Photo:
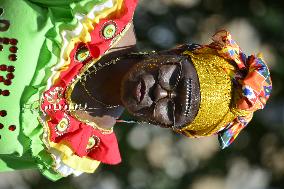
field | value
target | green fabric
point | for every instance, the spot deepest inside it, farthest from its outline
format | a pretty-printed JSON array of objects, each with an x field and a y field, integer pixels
[
  {"x": 37, "y": 25},
  {"x": 25, "y": 29},
  {"x": 9, "y": 163},
  {"x": 49, "y": 3}
]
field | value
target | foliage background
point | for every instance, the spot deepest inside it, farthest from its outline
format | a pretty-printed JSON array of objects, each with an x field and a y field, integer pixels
[{"x": 155, "y": 158}]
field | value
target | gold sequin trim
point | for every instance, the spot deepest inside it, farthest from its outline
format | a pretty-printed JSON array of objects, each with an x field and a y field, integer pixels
[{"x": 218, "y": 97}]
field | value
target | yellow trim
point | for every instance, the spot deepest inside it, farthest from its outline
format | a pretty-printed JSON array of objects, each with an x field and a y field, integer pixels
[{"x": 83, "y": 164}]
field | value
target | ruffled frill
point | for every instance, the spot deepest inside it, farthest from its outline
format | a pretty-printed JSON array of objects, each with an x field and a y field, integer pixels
[
  {"x": 61, "y": 144},
  {"x": 61, "y": 19}
]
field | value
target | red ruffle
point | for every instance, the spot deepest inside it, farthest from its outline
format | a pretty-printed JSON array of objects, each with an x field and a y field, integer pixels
[
  {"x": 77, "y": 137},
  {"x": 54, "y": 106}
]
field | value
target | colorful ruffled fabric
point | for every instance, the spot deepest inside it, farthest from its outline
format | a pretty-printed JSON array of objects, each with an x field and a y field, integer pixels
[
  {"x": 58, "y": 45},
  {"x": 253, "y": 78},
  {"x": 80, "y": 51},
  {"x": 251, "y": 81}
]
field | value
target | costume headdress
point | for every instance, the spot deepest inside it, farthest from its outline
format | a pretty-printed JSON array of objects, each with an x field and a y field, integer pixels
[{"x": 232, "y": 88}]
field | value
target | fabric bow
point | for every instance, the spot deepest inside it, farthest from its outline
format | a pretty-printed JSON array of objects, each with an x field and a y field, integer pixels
[{"x": 256, "y": 84}]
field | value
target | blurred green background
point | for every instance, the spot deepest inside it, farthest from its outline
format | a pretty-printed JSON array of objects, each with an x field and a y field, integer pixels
[{"x": 155, "y": 158}]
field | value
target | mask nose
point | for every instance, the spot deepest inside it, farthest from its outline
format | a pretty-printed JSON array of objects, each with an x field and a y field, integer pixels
[{"x": 160, "y": 93}]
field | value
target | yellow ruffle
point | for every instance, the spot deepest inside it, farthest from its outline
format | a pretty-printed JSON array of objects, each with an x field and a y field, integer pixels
[{"x": 83, "y": 164}]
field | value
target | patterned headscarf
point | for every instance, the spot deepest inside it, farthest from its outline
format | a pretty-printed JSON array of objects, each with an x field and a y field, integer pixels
[{"x": 247, "y": 91}]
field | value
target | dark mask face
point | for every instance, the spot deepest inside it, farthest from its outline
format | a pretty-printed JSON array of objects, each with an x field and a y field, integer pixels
[{"x": 162, "y": 89}]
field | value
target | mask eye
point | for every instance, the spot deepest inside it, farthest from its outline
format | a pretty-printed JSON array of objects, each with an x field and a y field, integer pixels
[
  {"x": 164, "y": 112},
  {"x": 169, "y": 76}
]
